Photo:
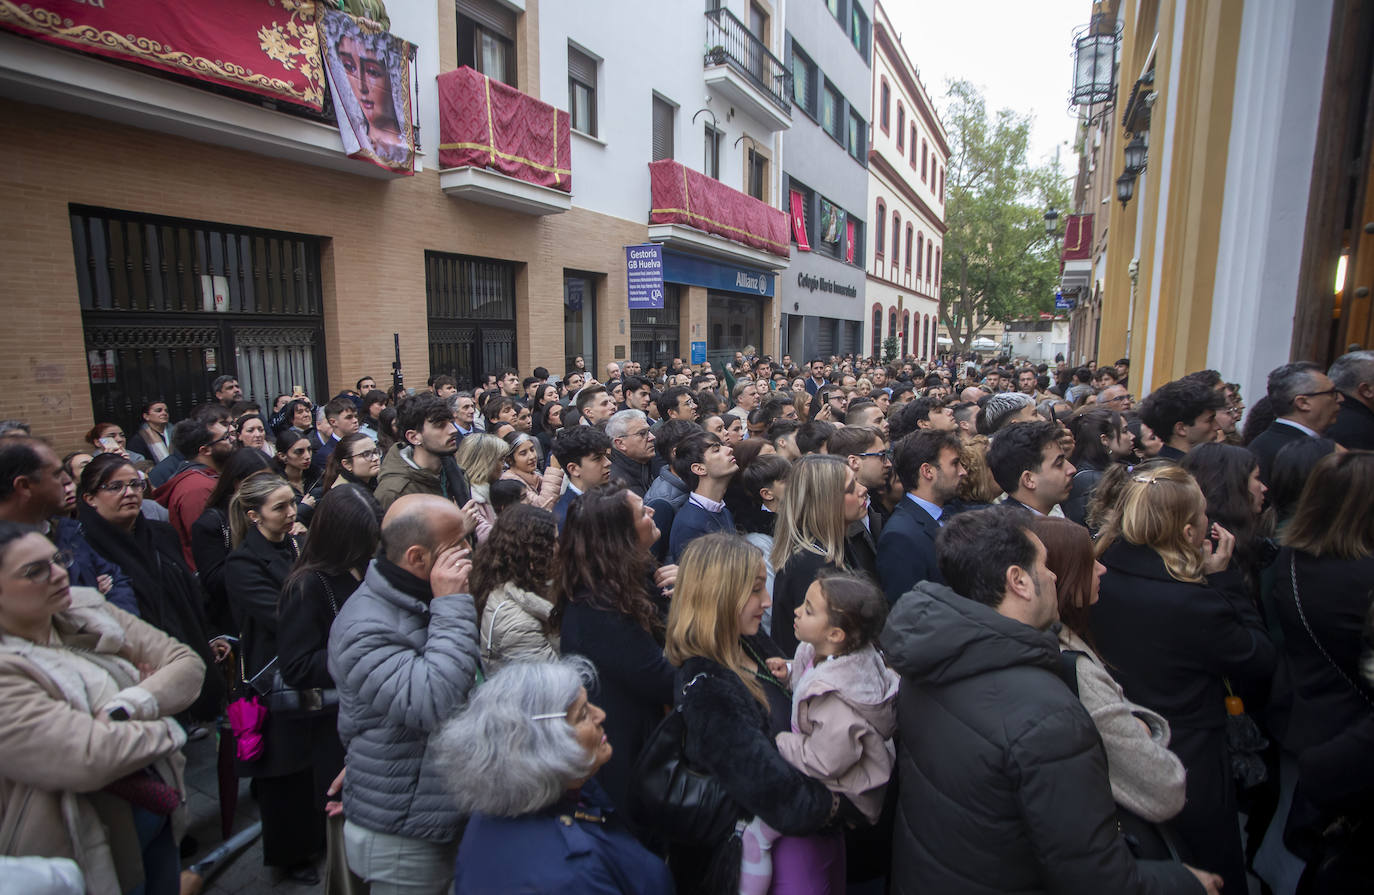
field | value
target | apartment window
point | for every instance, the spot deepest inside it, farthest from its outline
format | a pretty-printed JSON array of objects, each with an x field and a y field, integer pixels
[
  {"x": 582, "y": 91},
  {"x": 858, "y": 136},
  {"x": 831, "y": 104},
  {"x": 856, "y": 226},
  {"x": 896, "y": 237},
  {"x": 920, "y": 244},
  {"x": 834, "y": 227},
  {"x": 884, "y": 100},
  {"x": 930, "y": 258},
  {"x": 924, "y": 154},
  {"x": 901, "y": 126},
  {"x": 892, "y": 323},
  {"x": 942, "y": 184},
  {"x": 875, "y": 347},
  {"x": 486, "y": 39},
  {"x": 834, "y": 7},
  {"x": 908, "y": 248},
  {"x": 757, "y": 174},
  {"x": 913, "y": 146},
  {"x": 880, "y": 237},
  {"x": 858, "y": 29},
  {"x": 712, "y": 158},
  {"x": 937, "y": 268},
  {"x": 803, "y": 81},
  {"x": 663, "y": 129}
]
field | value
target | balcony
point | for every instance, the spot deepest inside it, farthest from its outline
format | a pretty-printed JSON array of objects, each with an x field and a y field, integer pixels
[
  {"x": 744, "y": 71},
  {"x": 702, "y": 216},
  {"x": 44, "y": 75},
  {"x": 501, "y": 147},
  {"x": 1076, "y": 260}
]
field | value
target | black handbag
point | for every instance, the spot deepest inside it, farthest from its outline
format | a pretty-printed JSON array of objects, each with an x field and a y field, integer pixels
[
  {"x": 673, "y": 800},
  {"x": 289, "y": 702}
]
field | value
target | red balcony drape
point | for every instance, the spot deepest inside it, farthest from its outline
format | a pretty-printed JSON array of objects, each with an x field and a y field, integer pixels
[
  {"x": 680, "y": 195},
  {"x": 488, "y": 124}
]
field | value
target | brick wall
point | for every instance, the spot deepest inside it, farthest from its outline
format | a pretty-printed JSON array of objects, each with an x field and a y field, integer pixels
[{"x": 372, "y": 268}]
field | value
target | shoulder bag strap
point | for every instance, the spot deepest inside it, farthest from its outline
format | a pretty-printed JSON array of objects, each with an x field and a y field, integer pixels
[
  {"x": 1297, "y": 601},
  {"x": 329, "y": 592}
]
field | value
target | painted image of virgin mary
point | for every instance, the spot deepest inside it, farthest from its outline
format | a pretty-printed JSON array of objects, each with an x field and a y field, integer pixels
[{"x": 368, "y": 71}]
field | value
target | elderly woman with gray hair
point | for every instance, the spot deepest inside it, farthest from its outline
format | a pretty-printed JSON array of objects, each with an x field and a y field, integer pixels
[{"x": 521, "y": 758}]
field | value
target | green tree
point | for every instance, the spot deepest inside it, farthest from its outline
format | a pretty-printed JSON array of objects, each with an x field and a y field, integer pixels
[{"x": 998, "y": 262}]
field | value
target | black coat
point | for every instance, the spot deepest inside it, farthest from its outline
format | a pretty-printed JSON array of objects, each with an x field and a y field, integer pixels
[
  {"x": 906, "y": 550},
  {"x": 790, "y": 584},
  {"x": 1002, "y": 778},
  {"x": 637, "y": 476},
  {"x": 1170, "y": 643},
  {"x": 304, "y": 617},
  {"x": 634, "y": 683},
  {"x": 732, "y": 737},
  {"x": 254, "y": 575},
  {"x": 169, "y": 597},
  {"x": 1354, "y": 427},
  {"x": 1084, "y": 484},
  {"x": 211, "y": 546},
  {"x": 1320, "y": 703},
  {"x": 1268, "y": 443}
]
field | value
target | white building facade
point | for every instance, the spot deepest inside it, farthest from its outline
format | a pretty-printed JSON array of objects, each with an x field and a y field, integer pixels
[{"x": 906, "y": 203}]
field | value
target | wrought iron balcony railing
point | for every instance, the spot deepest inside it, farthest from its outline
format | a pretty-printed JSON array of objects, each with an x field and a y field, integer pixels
[{"x": 730, "y": 42}]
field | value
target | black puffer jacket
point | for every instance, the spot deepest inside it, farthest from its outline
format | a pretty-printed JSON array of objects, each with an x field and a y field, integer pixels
[{"x": 1003, "y": 781}]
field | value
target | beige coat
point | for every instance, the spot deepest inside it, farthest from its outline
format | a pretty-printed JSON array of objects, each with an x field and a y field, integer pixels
[
  {"x": 844, "y": 711},
  {"x": 513, "y": 628},
  {"x": 56, "y": 755}
]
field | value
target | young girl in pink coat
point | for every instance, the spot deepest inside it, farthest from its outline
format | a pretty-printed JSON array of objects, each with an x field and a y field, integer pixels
[{"x": 843, "y": 709}]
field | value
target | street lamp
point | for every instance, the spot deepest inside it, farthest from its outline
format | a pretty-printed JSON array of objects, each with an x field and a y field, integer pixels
[
  {"x": 1051, "y": 222},
  {"x": 1136, "y": 153},
  {"x": 1125, "y": 187},
  {"x": 1094, "y": 63}
]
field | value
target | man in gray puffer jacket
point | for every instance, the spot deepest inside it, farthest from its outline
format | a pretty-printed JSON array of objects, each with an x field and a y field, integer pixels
[{"x": 403, "y": 652}]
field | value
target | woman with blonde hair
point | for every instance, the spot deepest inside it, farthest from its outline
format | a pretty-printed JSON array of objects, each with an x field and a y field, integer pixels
[
  {"x": 733, "y": 710},
  {"x": 262, "y": 514},
  {"x": 823, "y": 498},
  {"x": 1175, "y": 626},
  {"x": 977, "y": 490},
  {"x": 483, "y": 457}
]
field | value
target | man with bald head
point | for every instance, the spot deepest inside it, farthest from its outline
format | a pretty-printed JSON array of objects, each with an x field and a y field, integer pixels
[
  {"x": 972, "y": 394},
  {"x": 403, "y": 652}
]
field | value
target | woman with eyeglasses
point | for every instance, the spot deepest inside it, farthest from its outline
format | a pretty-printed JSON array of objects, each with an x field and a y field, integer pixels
[
  {"x": 90, "y": 759},
  {"x": 109, "y": 503},
  {"x": 356, "y": 460},
  {"x": 294, "y": 454}
]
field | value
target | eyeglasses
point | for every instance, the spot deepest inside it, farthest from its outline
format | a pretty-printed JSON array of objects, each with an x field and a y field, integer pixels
[
  {"x": 42, "y": 569},
  {"x": 227, "y": 436},
  {"x": 886, "y": 455},
  {"x": 642, "y": 433},
  {"x": 368, "y": 455},
  {"x": 121, "y": 487},
  {"x": 1329, "y": 391}
]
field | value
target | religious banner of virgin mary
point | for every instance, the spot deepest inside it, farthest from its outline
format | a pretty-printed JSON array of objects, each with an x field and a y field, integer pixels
[{"x": 369, "y": 73}]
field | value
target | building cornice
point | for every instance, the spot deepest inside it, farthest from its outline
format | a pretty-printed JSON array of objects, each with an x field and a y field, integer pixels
[{"x": 876, "y": 162}]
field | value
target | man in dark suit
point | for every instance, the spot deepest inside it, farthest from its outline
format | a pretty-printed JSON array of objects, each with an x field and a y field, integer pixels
[
  {"x": 1305, "y": 402},
  {"x": 927, "y": 464},
  {"x": 1183, "y": 413},
  {"x": 1353, "y": 374},
  {"x": 584, "y": 452}
]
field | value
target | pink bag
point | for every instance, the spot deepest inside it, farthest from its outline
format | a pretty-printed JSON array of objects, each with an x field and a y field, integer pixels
[{"x": 246, "y": 717}]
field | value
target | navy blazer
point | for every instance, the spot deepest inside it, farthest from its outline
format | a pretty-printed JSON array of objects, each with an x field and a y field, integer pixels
[
  {"x": 560, "y": 509},
  {"x": 1268, "y": 443},
  {"x": 906, "y": 550}
]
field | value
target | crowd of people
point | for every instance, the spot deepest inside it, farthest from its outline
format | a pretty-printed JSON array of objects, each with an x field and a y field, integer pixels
[{"x": 960, "y": 626}]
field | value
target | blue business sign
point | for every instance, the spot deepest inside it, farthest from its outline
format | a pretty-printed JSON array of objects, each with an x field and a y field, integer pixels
[
  {"x": 694, "y": 271},
  {"x": 1061, "y": 303},
  {"x": 644, "y": 273},
  {"x": 698, "y": 353}
]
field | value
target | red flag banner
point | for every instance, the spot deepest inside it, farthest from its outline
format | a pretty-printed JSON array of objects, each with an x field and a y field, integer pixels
[
  {"x": 680, "y": 195},
  {"x": 369, "y": 81},
  {"x": 488, "y": 124},
  {"x": 1078, "y": 238},
  {"x": 268, "y": 47},
  {"x": 799, "y": 221},
  {"x": 849, "y": 240}
]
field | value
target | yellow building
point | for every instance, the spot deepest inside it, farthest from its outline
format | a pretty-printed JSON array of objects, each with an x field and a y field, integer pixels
[{"x": 1249, "y": 129}]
